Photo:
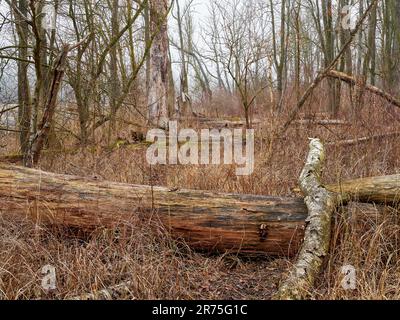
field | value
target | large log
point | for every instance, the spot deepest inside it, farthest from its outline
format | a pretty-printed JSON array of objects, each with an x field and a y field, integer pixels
[
  {"x": 206, "y": 220},
  {"x": 321, "y": 204}
]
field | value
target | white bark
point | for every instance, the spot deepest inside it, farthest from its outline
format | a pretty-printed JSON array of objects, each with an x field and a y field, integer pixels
[{"x": 321, "y": 204}]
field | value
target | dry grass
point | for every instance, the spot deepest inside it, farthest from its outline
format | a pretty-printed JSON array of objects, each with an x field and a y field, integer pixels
[
  {"x": 370, "y": 244},
  {"x": 162, "y": 268},
  {"x": 155, "y": 266}
]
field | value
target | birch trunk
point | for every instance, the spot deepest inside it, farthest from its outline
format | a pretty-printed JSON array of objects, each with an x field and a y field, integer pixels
[{"x": 321, "y": 204}]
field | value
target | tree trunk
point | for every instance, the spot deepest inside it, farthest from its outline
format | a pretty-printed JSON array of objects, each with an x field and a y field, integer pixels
[
  {"x": 147, "y": 39},
  {"x": 370, "y": 59},
  {"x": 378, "y": 190},
  {"x": 279, "y": 57},
  {"x": 320, "y": 203},
  {"x": 396, "y": 46},
  {"x": 385, "y": 189},
  {"x": 40, "y": 59},
  {"x": 329, "y": 55}
]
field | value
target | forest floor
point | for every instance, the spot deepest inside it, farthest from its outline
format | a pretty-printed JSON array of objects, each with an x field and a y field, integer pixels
[{"x": 162, "y": 268}]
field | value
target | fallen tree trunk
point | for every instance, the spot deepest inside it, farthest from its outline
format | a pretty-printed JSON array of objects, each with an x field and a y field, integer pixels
[
  {"x": 381, "y": 190},
  {"x": 374, "y": 138},
  {"x": 206, "y": 220},
  {"x": 321, "y": 204},
  {"x": 384, "y": 190},
  {"x": 112, "y": 293},
  {"x": 352, "y": 81},
  {"x": 322, "y": 122}
]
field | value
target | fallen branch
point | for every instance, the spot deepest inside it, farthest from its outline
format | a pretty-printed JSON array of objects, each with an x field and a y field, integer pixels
[
  {"x": 352, "y": 81},
  {"x": 17, "y": 158},
  {"x": 10, "y": 130},
  {"x": 10, "y": 107},
  {"x": 12, "y": 158},
  {"x": 378, "y": 190},
  {"x": 321, "y": 204},
  {"x": 111, "y": 293},
  {"x": 384, "y": 190},
  {"x": 352, "y": 142},
  {"x": 220, "y": 123}
]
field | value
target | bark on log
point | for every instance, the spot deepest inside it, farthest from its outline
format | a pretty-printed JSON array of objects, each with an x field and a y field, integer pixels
[
  {"x": 322, "y": 122},
  {"x": 321, "y": 204},
  {"x": 381, "y": 190},
  {"x": 384, "y": 190},
  {"x": 206, "y": 220},
  {"x": 352, "y": 81}
]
